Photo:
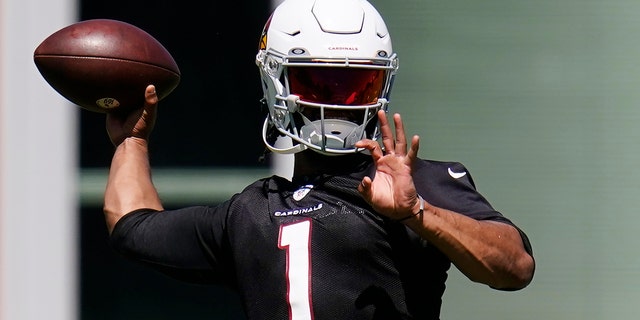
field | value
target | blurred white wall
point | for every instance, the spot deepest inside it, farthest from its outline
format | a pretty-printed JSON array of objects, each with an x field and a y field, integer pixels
[{"x": 38, "y": 171}]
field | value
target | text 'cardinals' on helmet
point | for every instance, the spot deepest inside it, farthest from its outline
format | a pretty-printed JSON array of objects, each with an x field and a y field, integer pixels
[{"x": 327, "y": 67}]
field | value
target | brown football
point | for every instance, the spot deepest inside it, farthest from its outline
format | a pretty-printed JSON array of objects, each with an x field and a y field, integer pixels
[{"x": 104, "y": 65}]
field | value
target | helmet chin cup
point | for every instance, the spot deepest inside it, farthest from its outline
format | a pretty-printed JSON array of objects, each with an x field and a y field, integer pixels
[{"x": 332, "y": 133}]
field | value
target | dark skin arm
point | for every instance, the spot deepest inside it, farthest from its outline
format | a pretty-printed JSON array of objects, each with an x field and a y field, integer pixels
[
  {"x": 129, "y": 185},
  {"x": 487, "y": 252}
]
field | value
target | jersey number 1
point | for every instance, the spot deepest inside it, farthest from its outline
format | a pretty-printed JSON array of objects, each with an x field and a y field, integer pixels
[{"x": 296, "y": 240}]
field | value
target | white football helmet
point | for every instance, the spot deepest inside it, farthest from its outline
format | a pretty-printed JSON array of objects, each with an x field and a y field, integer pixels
[{"x": 327, "y": 67}]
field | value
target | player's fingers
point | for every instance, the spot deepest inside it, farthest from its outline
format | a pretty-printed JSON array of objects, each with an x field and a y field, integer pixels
[
  {"x": 386, "y": 132},
  {"x": 413, "y": 150},
  {"x": 150, "y": 95},
  {"x": 372, "y": 146},
  {"x": 364, "y": 188},
  {"x": 401, "y": 139}
]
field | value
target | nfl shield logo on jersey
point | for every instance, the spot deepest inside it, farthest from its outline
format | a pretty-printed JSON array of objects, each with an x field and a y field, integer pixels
[{"x": 302, "y": 192}]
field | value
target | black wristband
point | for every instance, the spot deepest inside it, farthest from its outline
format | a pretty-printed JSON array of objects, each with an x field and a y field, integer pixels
[{"x": 414, "y": 214}]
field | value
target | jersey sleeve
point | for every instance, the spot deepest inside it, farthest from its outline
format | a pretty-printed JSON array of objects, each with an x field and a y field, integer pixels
[
  {"x": 449, "y": 185},
  {"x": 187, "y": 244}
]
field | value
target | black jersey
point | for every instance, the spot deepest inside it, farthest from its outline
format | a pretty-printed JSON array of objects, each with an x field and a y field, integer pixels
[{"x": 311, "y": 249}]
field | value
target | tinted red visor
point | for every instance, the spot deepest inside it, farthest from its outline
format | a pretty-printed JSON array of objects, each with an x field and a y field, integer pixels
[{"x": 337, "y": 85}]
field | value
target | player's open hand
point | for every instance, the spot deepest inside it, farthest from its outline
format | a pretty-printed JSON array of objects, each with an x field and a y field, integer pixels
[
  {"x": 391, "y": 192},
  {"x": 137, "y": 123}
]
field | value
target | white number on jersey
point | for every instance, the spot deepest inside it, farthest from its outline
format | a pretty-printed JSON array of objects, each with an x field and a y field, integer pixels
[{"x": 296, "y": 240}]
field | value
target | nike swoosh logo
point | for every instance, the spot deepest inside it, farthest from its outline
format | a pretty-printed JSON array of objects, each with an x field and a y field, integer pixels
[{"x": 456, "y": 175}]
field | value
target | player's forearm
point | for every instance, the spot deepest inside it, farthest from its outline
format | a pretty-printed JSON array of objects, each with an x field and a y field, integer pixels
[
  {"x": 129, "y": 185},
  {"x": 487, "y": 252}
]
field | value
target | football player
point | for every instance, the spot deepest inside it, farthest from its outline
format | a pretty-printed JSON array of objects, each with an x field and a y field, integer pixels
[{"x": 364, "y": 229}]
